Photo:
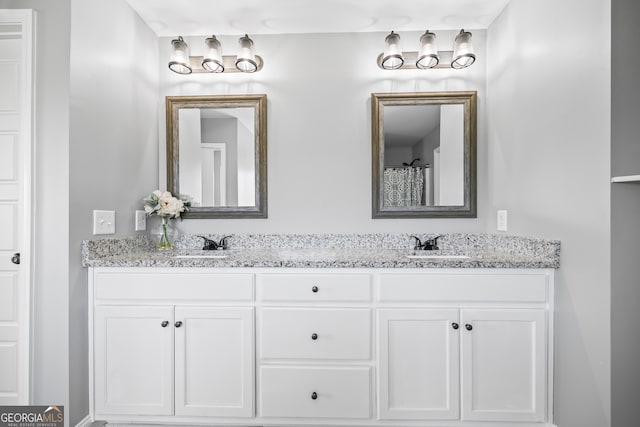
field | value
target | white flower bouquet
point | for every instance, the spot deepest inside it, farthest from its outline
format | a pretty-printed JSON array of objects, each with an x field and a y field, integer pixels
[
  {"x": 166, "y": 206},
  {"x": 162, "y": 203}
]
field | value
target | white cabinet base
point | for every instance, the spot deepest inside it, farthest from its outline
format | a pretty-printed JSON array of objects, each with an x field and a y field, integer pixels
[{"x": 322, "y": 347}]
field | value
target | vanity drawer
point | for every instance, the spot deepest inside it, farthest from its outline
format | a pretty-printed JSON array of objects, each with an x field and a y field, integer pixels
[
  {"x": 315, "y": 392},
  {"x": 450, "y": 287},
  {"x": 314, "y": 287},
  {"x": 315, "y": 333},
  {"x": 159, "y": 286}
]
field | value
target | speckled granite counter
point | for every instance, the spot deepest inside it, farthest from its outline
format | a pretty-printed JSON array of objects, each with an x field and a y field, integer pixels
[{"x": 327, "y": 251}]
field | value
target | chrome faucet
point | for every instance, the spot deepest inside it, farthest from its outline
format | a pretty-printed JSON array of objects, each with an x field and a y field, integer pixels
[{"x": 428, "y": 245}]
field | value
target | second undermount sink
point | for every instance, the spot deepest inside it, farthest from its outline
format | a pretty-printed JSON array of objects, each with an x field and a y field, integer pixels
[{"x": 436, "y": 256}]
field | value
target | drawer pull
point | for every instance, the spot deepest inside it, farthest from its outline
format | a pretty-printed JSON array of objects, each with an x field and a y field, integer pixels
[
  {"x": 314, "y": 395},
  {"x": 468, "y": 326},
  {"x": 314, "y": 289},
  {"x": 314, "y": 336},
  {"x": 178, "y": 324},
  {"x": 164, "y": 323},
  {"x": 455, "y": 325}
]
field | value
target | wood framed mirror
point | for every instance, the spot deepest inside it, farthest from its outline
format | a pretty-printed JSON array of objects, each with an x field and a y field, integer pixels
[
  {"x": 217, "y": 154},
  {"x": 424, "y": 154}
]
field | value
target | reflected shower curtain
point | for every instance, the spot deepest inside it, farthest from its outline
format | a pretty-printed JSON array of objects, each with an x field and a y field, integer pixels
[{"x": 403, "y": 186}]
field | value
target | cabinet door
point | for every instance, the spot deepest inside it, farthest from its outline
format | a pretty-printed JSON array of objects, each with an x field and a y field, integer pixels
[
  {"x": 418, "y": 358},
  {"x": 214, "y": 362},
  {"x": 133, "y": 360},
  {"x": 503, "y": 365}
]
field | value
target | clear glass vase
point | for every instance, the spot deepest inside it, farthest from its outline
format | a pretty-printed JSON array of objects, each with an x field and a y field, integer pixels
[{"x": 164, "y": 236}]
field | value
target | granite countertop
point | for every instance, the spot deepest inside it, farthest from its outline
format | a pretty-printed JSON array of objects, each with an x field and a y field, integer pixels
[{"x": 328, "y": 251}]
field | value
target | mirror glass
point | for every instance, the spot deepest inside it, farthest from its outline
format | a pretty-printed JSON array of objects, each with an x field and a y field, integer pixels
[
  {"x": 424, "y": 154},
  {"x": 216, "y": 154}
]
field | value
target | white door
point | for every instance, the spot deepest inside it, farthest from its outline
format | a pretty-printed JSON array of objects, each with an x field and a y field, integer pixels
[
  {"x": 418, "y": 364},
  {"x": 15, "y": 203},
  {"x": 214, "y": 361},
  {"x": 503, "y": 365},
  {"x": 133, "y": 360}
]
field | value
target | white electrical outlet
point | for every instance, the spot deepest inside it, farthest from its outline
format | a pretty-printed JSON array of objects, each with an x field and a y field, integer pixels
[
  {"x": 140, "y": 221},
  {"x": 104, "y": 222},
  {"x": 502, "y": 220}
]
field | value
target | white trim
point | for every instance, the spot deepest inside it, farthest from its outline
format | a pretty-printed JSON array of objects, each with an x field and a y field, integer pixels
[
  {"x": 626, "y": 178},
  {"x": 221, "y": 148}
]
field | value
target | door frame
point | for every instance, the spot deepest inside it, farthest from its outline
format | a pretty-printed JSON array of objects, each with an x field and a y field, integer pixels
[{"x": 26, "y": 94}]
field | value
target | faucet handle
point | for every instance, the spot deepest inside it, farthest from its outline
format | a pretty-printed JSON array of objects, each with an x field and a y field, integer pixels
[
  {"x": 223, "y": 242},
  {"x": 418, "y": 244}
]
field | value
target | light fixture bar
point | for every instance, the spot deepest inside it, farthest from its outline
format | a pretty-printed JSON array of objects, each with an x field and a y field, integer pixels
[
  {"x": 212, "y": 62},
  {"x": 410, "y": 60},
  {"x": 229, "y": 62}
]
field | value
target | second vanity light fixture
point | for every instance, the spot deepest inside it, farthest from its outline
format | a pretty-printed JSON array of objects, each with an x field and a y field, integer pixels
[
  {"x": 246, "y": 61},
  {"x": 427, "y": 56}
]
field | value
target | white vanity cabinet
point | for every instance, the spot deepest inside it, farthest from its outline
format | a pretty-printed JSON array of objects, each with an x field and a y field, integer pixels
[
  {"x": 401, "y": 347},
  {"x": 172, "y": 344}
]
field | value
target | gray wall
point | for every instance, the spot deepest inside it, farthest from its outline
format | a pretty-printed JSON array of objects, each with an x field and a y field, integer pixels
[
  {"x": 50, "y": 350},
  {"x": 625, "y": 221},
  {"x": 319, "y": 122},
  {"x": 549, "y": 124},
  {"x": 112, "y": 147}
]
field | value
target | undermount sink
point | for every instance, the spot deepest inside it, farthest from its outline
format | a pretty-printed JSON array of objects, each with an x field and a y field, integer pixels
[
  {"x": 201, "y": 256},
  {"x": 436, "y": 256}
]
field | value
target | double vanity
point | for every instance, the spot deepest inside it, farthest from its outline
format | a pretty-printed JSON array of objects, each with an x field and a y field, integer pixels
[{"x": 323, "y": 330}]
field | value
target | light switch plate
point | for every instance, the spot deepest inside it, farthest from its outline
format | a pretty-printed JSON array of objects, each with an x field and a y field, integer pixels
[
  {"x": 104, "y": 222},
  {"x": 140, "y": 221},
  {"x": 501, "y": 220}
]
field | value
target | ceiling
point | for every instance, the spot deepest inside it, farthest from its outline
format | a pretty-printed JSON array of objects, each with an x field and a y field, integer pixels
[{"x": 200, "y": 17}]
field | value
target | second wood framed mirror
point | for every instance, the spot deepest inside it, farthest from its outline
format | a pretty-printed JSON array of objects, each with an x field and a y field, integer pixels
[{"x": 424, "y": 155}]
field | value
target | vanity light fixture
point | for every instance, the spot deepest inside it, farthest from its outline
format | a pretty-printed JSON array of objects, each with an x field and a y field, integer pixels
[
  {"x": 179, "y": 60},
  {"x": 427, "y": 56},
  {"x": 463, "y": 55},
  {"x": 392, "y": 59},
  {"x": 213, "y": 61},
  {"x": 428, "y": 53},
  {"x": 246, "y": 60}
]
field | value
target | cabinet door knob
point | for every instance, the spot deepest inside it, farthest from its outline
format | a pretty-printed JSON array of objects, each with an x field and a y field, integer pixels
[
  {"x": 164, "y": 323},
  {"x": 468, "y": 326},
  {"x": 178, "y": 324},
  {"x": 455, "y": 325},
  {"x": 314, "y": 289},
  {"x": 314, "y": 336},
  {"x": 314, "y": 395}
]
